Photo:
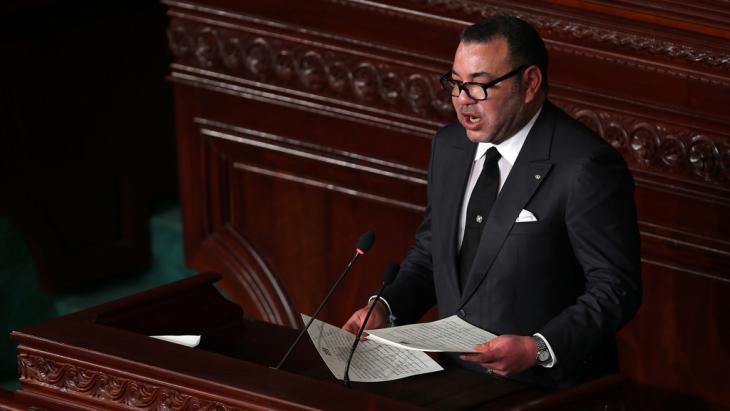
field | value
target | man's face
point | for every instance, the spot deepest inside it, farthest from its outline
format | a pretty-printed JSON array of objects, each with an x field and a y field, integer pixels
[{"x": 501, "y": 114}]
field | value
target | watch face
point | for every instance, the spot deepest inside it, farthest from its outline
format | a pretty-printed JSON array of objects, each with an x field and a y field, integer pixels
[{"x": 544, "y": 356}]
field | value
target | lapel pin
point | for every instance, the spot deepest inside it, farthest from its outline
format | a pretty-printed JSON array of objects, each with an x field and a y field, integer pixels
[
  {"x": 479, "y": 219},
  {"x": 538, "y": 176}
]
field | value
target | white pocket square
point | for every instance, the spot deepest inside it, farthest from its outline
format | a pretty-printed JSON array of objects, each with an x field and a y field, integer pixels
[{"x": 526, "y": 217}]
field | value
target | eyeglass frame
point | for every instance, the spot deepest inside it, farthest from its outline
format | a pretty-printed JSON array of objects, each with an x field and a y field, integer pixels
[{"x": 446, "y": 78}]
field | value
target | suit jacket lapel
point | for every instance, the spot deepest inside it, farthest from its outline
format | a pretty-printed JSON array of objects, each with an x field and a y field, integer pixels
[
  {"x": 456, "y": 177},
  {"x": 529, "y": 170}
]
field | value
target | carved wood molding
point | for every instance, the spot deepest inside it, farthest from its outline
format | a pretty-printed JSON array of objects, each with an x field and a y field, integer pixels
[
  {"x": 216, "y": 131},
  {"x": 273, "y": 63},
  {"x": 219, "y": 83},
  {"x": 654, "y": 146},
  {"x": 285, "y": 67},
  {"x": 570, "y": 30},
  {"x": 698, "y": 12},
  {"x": 649, "y": 145},
  {"x": 552, "y": 25},
  {"x": 682, "y": 74},
  {"x": 108, "y": 389},
  {"x": 324, "y": 185},
  {"x": 300, "y": 148},
  {"x": 247, "y": 269}
]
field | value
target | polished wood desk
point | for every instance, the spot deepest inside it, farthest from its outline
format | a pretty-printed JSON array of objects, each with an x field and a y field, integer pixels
[{"x": 101, "y": 358}]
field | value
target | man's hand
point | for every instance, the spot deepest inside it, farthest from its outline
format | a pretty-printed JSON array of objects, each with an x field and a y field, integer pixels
[
  {"x": 378, "y": 319},
  {"x": 505, "y": 355}
]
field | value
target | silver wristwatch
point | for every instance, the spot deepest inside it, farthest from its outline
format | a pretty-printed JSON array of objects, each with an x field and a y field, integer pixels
[{"x": 543, "y": 354}]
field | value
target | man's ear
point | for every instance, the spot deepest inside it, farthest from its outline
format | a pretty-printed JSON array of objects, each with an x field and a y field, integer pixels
[{"x": 532, "y": 79}]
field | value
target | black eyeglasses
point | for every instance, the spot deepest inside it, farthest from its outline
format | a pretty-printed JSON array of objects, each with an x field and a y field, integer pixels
[{"x": 477, "y": 91}]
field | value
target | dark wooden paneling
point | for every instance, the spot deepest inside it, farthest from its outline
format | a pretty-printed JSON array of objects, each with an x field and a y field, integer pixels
[
  {"x": 319, "y": 195},
  {"x": 302, "y": 124},
  {"x": 685, "y": 314}
]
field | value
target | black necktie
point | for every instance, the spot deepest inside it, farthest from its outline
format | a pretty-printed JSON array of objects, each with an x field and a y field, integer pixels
[{"x": 480, "y": 202}]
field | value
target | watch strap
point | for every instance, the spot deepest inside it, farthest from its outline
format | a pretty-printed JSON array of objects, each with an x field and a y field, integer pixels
[{"x": 543, "y": 354}]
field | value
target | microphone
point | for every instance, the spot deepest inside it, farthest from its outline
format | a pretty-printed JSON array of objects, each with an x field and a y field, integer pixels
[
  {"x": 363, "y": 246},
  {"x": 388, "y": 276}
]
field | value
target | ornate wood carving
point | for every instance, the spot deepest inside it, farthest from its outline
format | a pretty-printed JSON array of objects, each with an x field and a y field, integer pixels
[
  {"x": 648, "y": 144},
  {"x": 273, "y": 62},
  {"x": 108, "y": 388},
  {"x": 261, "y": 286},
  {"x": 678, "y": 72},
  {"x": 682, "y": 151},
  {"x": 553, "y": 26},
  {"x": 703, "y": 14}
]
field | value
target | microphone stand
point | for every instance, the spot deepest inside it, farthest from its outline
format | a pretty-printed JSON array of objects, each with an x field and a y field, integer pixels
[
  {"x": 364, "y": 245},
  {"x": 388, "y": 277}
]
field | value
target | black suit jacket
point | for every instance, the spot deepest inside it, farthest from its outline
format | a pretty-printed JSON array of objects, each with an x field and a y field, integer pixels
[{"x": 573, "y": 276}]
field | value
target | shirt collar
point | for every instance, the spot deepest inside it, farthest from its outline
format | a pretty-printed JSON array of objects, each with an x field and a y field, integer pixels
[{"x": 510, "y": 147}]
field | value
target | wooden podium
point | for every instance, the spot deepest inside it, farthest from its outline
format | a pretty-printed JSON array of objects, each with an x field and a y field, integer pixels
[{"x": 102, "y": 358}]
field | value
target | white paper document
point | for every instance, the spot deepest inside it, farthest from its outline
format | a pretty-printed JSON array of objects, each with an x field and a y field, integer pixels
[
  {"x": 450, "y": 334},
  {"x": 372, "y": 362},
  {"x": 186, "y": 340}
]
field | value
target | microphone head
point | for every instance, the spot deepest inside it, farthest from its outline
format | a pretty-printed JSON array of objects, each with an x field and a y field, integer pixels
[
  {"x": 390, "y": 272},
  {"x": 366, "y": 241}
]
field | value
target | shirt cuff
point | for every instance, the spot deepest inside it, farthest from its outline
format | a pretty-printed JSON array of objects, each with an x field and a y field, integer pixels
[
  {"x": 391, "y": 317},
  {"x": 553, "y": 358}
]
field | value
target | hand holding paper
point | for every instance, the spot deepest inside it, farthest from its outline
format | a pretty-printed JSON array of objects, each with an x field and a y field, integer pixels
[
  {"x": 450, "y": 334},
  {"x": 372, "y": 361},
  {"x": 505, "y": 355}
]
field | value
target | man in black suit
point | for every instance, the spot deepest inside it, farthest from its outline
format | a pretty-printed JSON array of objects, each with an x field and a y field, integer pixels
[{"x": 530, "y": 230}]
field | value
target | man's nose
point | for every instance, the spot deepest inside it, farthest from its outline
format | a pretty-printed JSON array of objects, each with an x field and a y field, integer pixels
[{"x": 465, "y": 98}]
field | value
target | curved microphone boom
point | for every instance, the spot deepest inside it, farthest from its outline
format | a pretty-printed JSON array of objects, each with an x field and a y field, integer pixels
[
  {"x": 363, "y": 246},
  {"x": 388, "y": 276}
]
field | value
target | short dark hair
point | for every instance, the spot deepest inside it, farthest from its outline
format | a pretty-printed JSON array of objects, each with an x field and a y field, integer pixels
[{"x": 525, "y": 44}]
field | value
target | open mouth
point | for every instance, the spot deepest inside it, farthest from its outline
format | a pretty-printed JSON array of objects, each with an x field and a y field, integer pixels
[{"x": 471, "y": 121}]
